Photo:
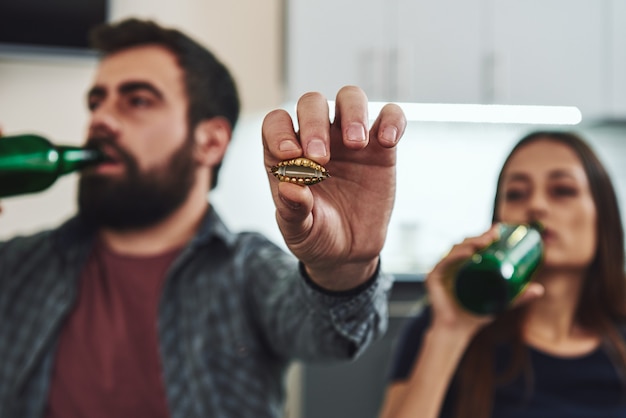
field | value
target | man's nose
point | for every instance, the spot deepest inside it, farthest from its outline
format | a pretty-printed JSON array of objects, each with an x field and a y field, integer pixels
[{"x": 104, "y": 120}]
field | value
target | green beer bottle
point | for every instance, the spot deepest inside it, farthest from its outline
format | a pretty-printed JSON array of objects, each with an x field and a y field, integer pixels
[
  {"x": 31, "y": 163},
  {"x": 493, "y": 277}
]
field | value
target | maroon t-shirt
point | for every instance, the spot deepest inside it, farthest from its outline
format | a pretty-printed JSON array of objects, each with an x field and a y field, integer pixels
[{"x": 108, "y": 362}]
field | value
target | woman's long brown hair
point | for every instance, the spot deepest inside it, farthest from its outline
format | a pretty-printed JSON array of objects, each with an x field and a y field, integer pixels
[{"x": 601, "y": 308}]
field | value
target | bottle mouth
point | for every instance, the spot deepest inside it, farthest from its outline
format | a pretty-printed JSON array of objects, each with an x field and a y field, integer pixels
[
  {"x": 79, "y": 158},
  {"x": 99, "y": 154},
  {"x": 537, "y": 225}
]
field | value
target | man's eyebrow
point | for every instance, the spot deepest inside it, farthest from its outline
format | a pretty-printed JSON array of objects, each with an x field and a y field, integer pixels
[
  {"x": 97, "y": 91},
  {"x": 133, "y": 86}
]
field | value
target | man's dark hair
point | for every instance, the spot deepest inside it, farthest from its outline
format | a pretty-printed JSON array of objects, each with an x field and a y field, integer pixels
[{"x": 211, "y": 90}]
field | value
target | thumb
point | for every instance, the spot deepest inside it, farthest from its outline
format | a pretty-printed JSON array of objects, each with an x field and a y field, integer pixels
[{"x": 293, "y": 211}]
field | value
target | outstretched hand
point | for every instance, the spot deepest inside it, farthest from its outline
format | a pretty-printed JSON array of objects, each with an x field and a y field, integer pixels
[{"x": 337, "y": 228}]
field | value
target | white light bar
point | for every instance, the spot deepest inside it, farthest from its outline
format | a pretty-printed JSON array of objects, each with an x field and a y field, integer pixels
[{"x": 477, "y": 113}]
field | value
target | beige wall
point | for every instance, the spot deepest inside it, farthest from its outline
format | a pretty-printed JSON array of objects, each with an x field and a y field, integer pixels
[
  {"x": 45, "y": 93},
  {"x": 245, "y": 34}
]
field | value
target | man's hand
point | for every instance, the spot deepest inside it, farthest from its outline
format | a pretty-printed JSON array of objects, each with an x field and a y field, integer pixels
[{"x": 337, "y": 228}]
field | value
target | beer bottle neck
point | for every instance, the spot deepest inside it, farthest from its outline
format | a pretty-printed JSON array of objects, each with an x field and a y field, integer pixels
[{"x": 75, "y": 158}]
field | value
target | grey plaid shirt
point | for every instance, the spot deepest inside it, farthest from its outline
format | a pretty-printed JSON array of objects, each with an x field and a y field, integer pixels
[{"x": 234, "y": 311}]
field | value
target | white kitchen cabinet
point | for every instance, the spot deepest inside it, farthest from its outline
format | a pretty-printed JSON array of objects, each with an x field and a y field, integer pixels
[
  {"x": 552, "y": 52},
  {"x": 402, "y": 50},
  {"x": 544, "y": 52},
  {"x": 328, "y": 42},
  {"x": 442, "y": 49},
  {"x": 618, "y": 59}
]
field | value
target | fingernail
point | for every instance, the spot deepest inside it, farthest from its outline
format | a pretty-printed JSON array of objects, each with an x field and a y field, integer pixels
[
  {"x": 316, "y": 149},
  {"x": 287, "y": 146},
  {"x": 355, "y": 132},
  {"x": 390, "y": 134}
]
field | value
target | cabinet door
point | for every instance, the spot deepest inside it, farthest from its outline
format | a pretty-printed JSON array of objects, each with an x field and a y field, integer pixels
[
  {"x": 541, "y": 52},
  {"x": 442, "y": 46},
  {"x": 552, "y": 52},
  {"x": 331, "y": 43},
  {"x": 400, "y": 50},
  {"x": 618, "y": 59}
]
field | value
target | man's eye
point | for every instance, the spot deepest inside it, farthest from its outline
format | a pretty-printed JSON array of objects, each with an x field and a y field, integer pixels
[
  {"x": 93, "y": 104},
  {"x": 139, "y": 101}
]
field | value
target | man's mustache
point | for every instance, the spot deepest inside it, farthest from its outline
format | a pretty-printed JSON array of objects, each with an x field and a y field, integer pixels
[{"x": 107, "y": 143}]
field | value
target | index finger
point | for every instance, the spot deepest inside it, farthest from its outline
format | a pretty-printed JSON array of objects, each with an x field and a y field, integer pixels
[{"x": 280, "y": 140}]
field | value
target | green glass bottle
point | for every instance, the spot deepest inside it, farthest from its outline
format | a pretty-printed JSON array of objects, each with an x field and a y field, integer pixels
[
  {"x": 493, "y": 277},
  {"x": 31, "y": 163}
]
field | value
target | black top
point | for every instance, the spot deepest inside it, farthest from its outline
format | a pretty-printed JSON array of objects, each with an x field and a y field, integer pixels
[{"x": 568, "y": 387}]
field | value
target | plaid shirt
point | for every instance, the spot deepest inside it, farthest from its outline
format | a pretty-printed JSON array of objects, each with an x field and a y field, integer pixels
[{"x": 235, "y": 311}]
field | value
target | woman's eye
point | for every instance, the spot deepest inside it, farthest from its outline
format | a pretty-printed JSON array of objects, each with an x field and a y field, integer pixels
[
  {"x": 563, "y": 191},
  {"x": 513, "y": 195}
]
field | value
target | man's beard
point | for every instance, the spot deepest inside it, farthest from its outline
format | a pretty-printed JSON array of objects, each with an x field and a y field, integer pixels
[{"x": 137, "y": 200}]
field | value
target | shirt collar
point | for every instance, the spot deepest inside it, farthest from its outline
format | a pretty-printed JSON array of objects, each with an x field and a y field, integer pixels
[{"x": 213, "y": 226}]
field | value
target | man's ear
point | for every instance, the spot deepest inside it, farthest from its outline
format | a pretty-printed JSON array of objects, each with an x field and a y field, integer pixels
[{"x": 211, "y": 138}]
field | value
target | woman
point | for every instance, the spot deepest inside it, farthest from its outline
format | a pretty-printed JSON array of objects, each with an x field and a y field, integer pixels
[{"x": 560, "y": 351}]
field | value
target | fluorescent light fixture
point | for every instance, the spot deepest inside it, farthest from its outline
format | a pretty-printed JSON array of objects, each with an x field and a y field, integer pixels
[{"x": 478, "y": 113}]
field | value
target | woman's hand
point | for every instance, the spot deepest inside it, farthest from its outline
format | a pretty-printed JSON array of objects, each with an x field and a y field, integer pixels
[{"x": 447, "y": 313}]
